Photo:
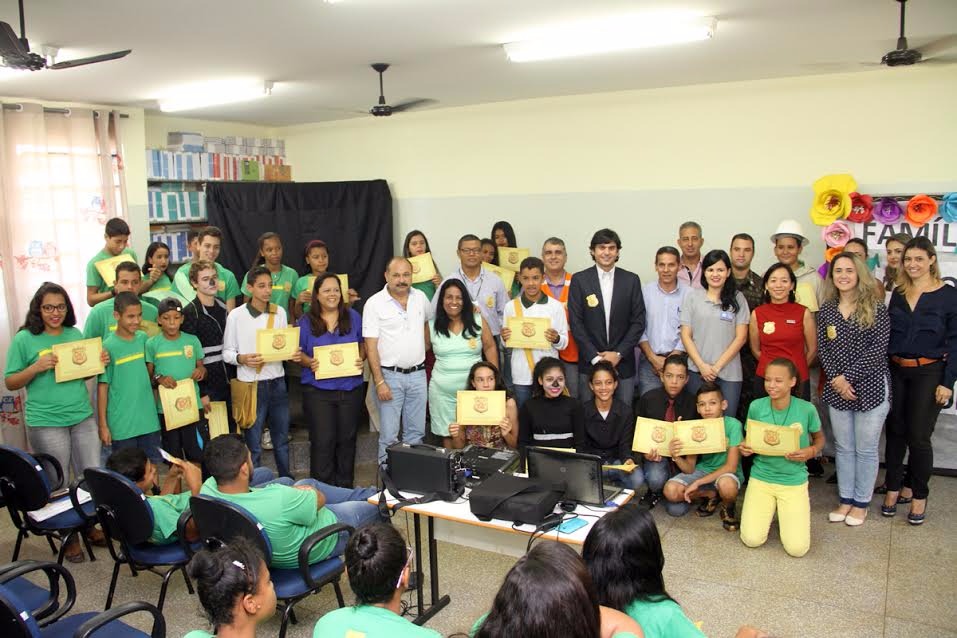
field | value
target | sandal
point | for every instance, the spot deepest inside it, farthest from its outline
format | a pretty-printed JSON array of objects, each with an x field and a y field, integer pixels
[
  {"x": 708, "y": 506},
  {"x": 96, "y": 537},
  {"x": 729, "y": 518},
  {"x": 74, "y": 552}
]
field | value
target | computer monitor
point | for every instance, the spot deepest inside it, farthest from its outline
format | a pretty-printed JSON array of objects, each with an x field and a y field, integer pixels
[{"x": 581, "y": 474}]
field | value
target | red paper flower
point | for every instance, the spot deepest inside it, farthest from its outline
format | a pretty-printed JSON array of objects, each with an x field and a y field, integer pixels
[{"x": 862, "y": 208}]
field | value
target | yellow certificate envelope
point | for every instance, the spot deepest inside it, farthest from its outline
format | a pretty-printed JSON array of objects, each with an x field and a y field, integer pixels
[
  {"x": 179, "y": 404},
  {"x": 773, "y": 440},
  {"x": 479, "y": 408},
  {"x": 423, "y": 268},
  {"x": 77, "y": 359},
  {"x": 511, "y": 258},
  {"x": 528, "y": 332},
  {"x": 652, "y": 434},
  {"x": 507, "y": 276},
  {"x": 344, "y": 285},
  {"x": 277, "y": 344},
  {"x": 701, "y": 436},
  {"x": 338, "y": 360},
  {"x": 627, "y": 469},
  {"x": 217, "y": 419},
  {"x": 151, "y": 328},
  {"x": 107, "y": 267}
]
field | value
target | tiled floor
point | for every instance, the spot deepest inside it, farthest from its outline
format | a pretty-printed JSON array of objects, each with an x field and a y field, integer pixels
[{"x": 883, "y": 579}]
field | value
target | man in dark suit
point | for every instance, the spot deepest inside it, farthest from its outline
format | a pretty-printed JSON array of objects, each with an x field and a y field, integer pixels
[{"x": 607, "y": 315}]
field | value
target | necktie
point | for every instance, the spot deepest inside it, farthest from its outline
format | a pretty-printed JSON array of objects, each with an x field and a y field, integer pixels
[{"x": 670, "y": 411}]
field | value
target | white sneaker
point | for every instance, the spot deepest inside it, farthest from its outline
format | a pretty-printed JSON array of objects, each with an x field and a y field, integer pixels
[
  {"x": 266, "y": 441},
  {"x": 836, "y": 517}
]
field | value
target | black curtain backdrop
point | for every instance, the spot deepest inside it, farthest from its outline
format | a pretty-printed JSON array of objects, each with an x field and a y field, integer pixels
[{"x": 353, "y": 218}]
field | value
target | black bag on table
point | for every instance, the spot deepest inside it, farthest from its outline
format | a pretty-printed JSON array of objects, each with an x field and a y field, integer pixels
[{"x": 514, "y": 498}]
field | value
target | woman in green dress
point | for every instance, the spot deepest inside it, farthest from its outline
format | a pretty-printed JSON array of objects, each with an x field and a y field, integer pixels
[
  {"x": 416, "y": 243},
  {"x": 458, "y": 337}
]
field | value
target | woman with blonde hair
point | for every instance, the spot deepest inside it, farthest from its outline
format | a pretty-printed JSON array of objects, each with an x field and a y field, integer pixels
[{"x": 853, "y": 331}]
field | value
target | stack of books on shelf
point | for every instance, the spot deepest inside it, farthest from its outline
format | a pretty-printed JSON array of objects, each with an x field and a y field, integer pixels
[
  {"x": 177, "y": 242},
  {"x": 172, "y": 165},
  {"x": 170, "y": 203}
]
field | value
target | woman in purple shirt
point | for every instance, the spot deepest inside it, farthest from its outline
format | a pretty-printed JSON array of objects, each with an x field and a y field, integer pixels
[{"x": 332, "y": 405}]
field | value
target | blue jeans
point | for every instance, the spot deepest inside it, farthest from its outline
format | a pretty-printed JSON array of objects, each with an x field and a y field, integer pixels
[
  {"x": 856, "y": 437},
  {"x": 730, "y": 389},
  {"x": 522, "y": 394},
  {"x": 631, "y": 481},
  {"x": 624, "y": 393},
  {"x": 272, "y": 403},
  {"x": 264, "y": 476},
  {"x": 680, "y": 508},
  {"x": 149, "y": 443},
  {"x": 350, "y": 507},
  {"x": 657, "y": 473},
  {"x": 647, "y": 379},
  {"x": 409, "y": 395}
]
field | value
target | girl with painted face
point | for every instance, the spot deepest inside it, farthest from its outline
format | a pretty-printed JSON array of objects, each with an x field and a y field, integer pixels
[{"x": 551, "y": 417}]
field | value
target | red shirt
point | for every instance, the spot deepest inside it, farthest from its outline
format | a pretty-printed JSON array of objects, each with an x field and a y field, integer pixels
[{"x": 781, "y": 334}]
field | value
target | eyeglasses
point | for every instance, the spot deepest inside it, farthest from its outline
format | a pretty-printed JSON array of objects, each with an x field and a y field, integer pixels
[
  {"x": 470, "y": 251},
  {"x": 47, "y": 307},
  {"x": 408, "y": 562}
]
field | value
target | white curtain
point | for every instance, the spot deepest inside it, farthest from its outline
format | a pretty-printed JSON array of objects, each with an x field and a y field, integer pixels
[{"x": 60, "y": 180}]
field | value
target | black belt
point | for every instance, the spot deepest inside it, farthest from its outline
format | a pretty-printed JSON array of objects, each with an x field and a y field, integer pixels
[{"x": 421, "y": 366}]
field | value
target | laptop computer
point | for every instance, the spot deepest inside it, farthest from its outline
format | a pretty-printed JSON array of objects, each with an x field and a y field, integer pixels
[
  {"x": 581, "y": 474},
  {"x": 482, "y": 462}
]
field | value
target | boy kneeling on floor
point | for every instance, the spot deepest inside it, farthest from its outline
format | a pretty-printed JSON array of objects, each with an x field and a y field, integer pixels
[{"x": 714, "y": 478}]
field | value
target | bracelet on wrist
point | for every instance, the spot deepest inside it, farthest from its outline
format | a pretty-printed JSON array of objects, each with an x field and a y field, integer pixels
[{"x": 379, "y": 382}]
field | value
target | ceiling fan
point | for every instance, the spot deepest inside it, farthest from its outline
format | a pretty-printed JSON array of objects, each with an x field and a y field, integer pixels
[
  {"x": 383, "y": 109},
  {"x": 905, "y": 56},
  {"x": 15, "y": 51}
]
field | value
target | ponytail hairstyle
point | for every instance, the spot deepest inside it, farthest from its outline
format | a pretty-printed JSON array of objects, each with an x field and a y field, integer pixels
[
  {"x": 375, "y": 558},
  {"x": 260, "y": 259},
  {"x": 223, "y": 575},
  {"x": 729, "y": 291}
]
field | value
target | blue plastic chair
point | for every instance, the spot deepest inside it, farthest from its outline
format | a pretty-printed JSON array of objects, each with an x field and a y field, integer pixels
[
  {"x": 17, "y": 619},
  {"x": 127, "y": 520},
  {"x": 41, "y": 602},
  {"x": 219, "y": 521},
  {"x": 26, "y": 486}
]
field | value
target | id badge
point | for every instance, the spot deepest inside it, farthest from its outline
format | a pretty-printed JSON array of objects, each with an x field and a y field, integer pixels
[{"x": 727, "y": 315}]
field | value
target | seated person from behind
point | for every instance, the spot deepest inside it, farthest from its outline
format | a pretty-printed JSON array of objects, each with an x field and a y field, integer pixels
[
  {"x": 714, "y": 478},
  {"x": 171, "y": 502},
  {"x": 234, "y": 588},
  {"x": 379, "y": 565},
  {"x": 485, "y": 377},
  {"x": 288, "y": 514}
]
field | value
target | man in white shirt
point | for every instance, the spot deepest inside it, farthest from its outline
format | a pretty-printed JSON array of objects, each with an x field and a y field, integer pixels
[
  {"x": 394, "y": 322},
  {"x": 532, "y": 302},
  {"x": 239, "y": 349},
  {"x": 662, "y": 335},
  {"x": 690, "y": 242}
]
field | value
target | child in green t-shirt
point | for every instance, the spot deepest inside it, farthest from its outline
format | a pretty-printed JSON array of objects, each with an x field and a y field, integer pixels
[
  {"x": 101, "y": 322},
  {"x": 715, "y": 477},
  {"x": 125, "y": 409},
  {"x": 283, "y": 277},
  {"x": 117, "y": 235},
  {"x": 208, "y": 243},
  {"x": 174, "y": 357},
  {"x": 316, "y": 257},
  {"x": 779, "y": 483},
  {"x": 156, "y": 279}
]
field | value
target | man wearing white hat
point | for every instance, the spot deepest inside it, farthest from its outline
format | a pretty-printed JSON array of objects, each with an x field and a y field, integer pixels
[{"x": 789, "y": 240}]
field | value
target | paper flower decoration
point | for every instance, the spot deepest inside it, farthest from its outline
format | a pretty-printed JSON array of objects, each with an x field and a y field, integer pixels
[
  {"x": 887, "y": 210},
  {"x": 862, "y": 208},
  {"x": 829, "y": 256},
  {"x": 948, "y": 208},
  {"x": 832, "y": 198},
  {"x": 836, "y": 234},
  {"x": 920, "y": 210}
]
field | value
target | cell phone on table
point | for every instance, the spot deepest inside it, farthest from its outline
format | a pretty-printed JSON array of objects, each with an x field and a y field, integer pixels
[{"x": 572, "y": 525}]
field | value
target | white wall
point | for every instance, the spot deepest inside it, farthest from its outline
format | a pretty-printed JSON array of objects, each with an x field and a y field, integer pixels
[{"x": 736, "y": 157}]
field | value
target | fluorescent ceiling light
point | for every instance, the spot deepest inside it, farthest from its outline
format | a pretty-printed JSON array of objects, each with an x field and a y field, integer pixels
[
  {"x": 213, "y": 94},
  {"x": 613, "y": 34}
]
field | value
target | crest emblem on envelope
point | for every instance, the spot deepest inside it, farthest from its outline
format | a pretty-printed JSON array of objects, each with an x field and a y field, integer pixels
[
  {"x": 79, "y": 355},
  {"x": 416, "y": 268},
  {"x": 528, "y": 329},
  {"x": 771, "y": 437},
  {"x": 699, "y": 433},
  {"x": 183, "y": 403},
  {"x": 278, "y": 341},
  {"x": 513, "y": 258},
  {"x": 336, "y": 358},
  {"x": 480, "y": 405},
  {"x": 658, "y": 434}
]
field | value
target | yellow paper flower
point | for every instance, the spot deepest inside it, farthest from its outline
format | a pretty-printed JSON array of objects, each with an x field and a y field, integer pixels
[{"x": 832, "y": 198}]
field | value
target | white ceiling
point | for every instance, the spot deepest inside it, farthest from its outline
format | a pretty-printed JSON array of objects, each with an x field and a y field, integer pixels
[{"x": 317, "y": 53}]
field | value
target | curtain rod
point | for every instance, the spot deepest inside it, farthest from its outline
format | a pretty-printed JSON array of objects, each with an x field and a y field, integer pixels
[{"x": 61, "y": 111}]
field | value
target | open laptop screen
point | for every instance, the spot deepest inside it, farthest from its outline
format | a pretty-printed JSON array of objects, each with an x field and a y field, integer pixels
[{"x": 581, "y": 473}]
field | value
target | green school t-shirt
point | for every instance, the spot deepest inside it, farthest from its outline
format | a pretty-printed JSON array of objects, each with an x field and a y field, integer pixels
[
  {"x": 427, "y": 287},
  {"x": 93, "y": 277},
  {"x": 288, "y": 515},
  {"x": 199, "y": 633},
  {"x": 283, "y": 283},
  {"x": 163, "y": 284},
  {"x": 175, "y": 358},
  {"x": 663, "y": 619},
  {"x": 130, "y": 390},
  {"x": 710, "y": 462},
  {"x": 368, "y": 621},
  {"x": 101, "y": 322},
  {"x": 166, "y": 512},
  {"x": 777, "y": 469},
  {"x": 48, "y": 402},
  {"x": 228, "y": 287}
]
